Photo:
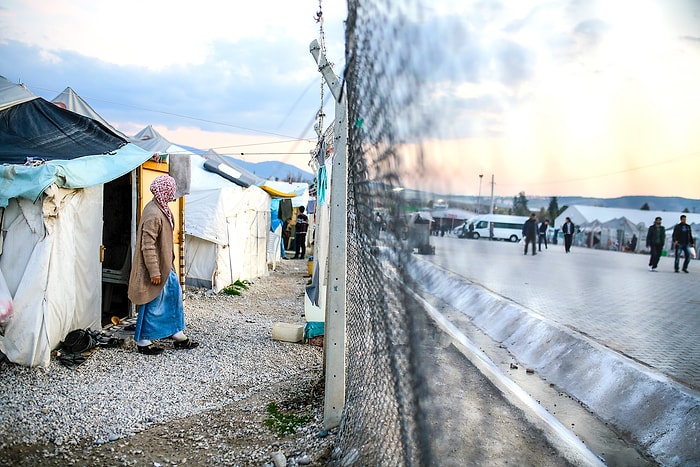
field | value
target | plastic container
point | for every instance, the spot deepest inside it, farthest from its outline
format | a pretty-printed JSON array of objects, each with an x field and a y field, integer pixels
[{"x": 288, "y": 332}]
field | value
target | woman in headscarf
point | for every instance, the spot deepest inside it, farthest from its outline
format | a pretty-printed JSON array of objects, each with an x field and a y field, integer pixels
[{"x": 153, "y": 285}]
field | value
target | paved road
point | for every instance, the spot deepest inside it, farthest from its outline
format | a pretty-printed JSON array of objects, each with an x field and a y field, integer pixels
[{"x": 611, "y": 297}]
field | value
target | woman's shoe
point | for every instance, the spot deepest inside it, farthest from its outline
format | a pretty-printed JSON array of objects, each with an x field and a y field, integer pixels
[
  {"x": 149, "y": 349},
  {"x": 186, "y": 344}
]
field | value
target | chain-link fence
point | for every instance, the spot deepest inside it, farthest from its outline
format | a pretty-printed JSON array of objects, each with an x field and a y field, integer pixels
[
  {"x": 384, "y": 420},
  {"x": 438, "y": 95}
]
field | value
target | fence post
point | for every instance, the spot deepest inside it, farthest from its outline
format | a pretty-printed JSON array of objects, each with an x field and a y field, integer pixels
[{"x": 334, "y": 339}]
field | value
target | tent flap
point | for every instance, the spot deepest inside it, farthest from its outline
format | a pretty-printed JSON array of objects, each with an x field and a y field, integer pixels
[{"x": 30, "y": 181}]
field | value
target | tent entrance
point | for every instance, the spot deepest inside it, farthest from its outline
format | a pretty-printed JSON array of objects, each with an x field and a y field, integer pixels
[{"x": 117, "y": 234}]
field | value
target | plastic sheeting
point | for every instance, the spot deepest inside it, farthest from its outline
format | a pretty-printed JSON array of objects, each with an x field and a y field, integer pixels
[
  {"x": 50, "y": 260},
  {"x": 227, "y": 229}
]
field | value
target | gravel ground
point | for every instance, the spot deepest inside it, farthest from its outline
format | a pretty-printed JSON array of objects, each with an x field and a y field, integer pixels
[
  {"x": 209, "y": 406},
  {"x": 205, "y": 406}
]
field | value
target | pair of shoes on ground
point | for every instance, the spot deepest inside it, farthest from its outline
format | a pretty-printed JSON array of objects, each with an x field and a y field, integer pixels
[
  {"x": 151, "y": 349},
  {"x": 684, "y": 270},
  {"x": 652, "y": 269}
]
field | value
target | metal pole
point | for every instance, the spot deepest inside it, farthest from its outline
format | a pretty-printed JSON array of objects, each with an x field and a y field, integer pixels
[
  {"x": 478, "y": 199},
  {"x": 334, "y": 339},
  {"x": 492, "y": 184}
]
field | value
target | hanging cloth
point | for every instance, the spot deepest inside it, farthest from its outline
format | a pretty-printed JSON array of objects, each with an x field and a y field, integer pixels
[
  {"x": 285, "y": 209},
  {"x": 322, "y": 185}
]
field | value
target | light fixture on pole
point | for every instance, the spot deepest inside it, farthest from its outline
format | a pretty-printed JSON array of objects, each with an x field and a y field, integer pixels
[{"x": 478, "y": 199}]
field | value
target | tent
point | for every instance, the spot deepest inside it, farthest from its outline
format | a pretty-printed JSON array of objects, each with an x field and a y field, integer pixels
[
  {"x": 619, "y": 225},
  {"x": 581, "y": 214},
  {"x": 226, "y": 230},
  {"x": 70, "y": 100},
  {"x": 55, "y": 163}
]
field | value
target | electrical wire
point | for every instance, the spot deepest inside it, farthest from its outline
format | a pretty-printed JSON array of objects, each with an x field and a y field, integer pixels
[{"x": 188, "y": 117}]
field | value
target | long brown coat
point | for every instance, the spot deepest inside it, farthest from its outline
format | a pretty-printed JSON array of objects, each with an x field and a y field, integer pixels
[{"x": 153, "y": 256}]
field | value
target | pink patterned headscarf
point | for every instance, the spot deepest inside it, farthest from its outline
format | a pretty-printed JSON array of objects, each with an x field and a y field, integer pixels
[{"x": 163, "y": 189}]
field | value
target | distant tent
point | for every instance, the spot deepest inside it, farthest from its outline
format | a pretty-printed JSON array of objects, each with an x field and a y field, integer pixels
[
  {"x": 51, "y": 189},
  {"x": 227, "y": 228},
  {"x": 297, "y": 191},
  {"x": 70, "y": 100},
  {"x": 580, "y": 214},
  {"x": 629, "y": 222},
  {"x": 229, "y": 170},
  {"x": 179, "y": 157}
]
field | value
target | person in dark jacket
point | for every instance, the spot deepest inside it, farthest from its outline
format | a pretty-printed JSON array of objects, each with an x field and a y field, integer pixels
[
  {"x": 656, "y": 237},
  {"x": 542, "y": 234},
  {"x": 568, "y": 231},
  {"x": 682, "y": 240},
  {"x": 302, "y": 225},
  {"x": 530, "y": 233}
]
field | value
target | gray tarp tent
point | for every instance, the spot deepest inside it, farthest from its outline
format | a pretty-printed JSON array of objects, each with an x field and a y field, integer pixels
[{"x": 55, "y": 163}]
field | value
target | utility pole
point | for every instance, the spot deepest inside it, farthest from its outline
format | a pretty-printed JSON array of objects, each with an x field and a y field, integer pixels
[
  {"x": 492, "y": 185},
  {"x": 478, "y": 199},
  {"x": 334, "y": 338}
]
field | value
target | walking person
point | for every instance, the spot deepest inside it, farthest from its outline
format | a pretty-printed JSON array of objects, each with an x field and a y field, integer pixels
[
  {"x": 542, "y": 234},
  {"x": 682, "y": 240},
  {"x": 656, "y": 237},
  {"x": 568, "y": 231},
  {"x": 153, "y": 285},
  {"x": 378, "y": 223},
  {"x": 530, "y": 232},
  {"x": 302, "y": 226}
]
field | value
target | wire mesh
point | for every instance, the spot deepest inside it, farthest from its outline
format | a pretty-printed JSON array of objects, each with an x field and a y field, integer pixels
[
  {"x": 436, "y": 93},
  {"x": 382, "y": 423}
]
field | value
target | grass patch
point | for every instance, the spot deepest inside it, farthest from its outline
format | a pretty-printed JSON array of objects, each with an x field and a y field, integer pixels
[
  {"x": 282, "y": 423},
  {"x": 236, "y": 288}
]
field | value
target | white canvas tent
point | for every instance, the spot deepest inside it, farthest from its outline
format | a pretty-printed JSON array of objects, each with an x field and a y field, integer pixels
[
  {"x": 581, "y": 214},
  {"x": 618, "y": 224},
  {"x": 51, "y": 213},
  {"x": 226, "y": 230},
  {"x": 297, "y": 192}
]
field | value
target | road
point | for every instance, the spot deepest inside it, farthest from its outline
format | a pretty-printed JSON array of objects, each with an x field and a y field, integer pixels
[{"x": 610, "y": 297}]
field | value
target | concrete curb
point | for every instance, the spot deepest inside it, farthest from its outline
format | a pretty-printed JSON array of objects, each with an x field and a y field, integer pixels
[{"x": 655, "y": 412}]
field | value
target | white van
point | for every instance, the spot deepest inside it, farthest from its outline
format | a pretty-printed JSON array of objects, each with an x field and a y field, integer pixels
[{"x": 504, "y": 227}]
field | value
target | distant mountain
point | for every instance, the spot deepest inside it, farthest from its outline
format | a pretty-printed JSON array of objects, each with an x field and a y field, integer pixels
[
  {"x": 656, "y": 203},
  {"x": 193, "y": 150},
  {"x": 274, "y": 170}
]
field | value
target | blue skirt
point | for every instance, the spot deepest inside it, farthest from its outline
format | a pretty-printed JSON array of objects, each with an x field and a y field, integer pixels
[{"x": 164, "y": 315}]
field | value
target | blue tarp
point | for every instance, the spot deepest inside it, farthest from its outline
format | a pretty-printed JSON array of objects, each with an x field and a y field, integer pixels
[{"x": 29, "y": 182}]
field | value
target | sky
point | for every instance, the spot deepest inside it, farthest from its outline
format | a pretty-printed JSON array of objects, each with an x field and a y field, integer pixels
[
  {"x": 549, "y": 97},
  {"x": 236, "y": 80}
]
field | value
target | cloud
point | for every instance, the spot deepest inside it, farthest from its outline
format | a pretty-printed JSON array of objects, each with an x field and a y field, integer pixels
[{"x": 238, "y": 89}]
